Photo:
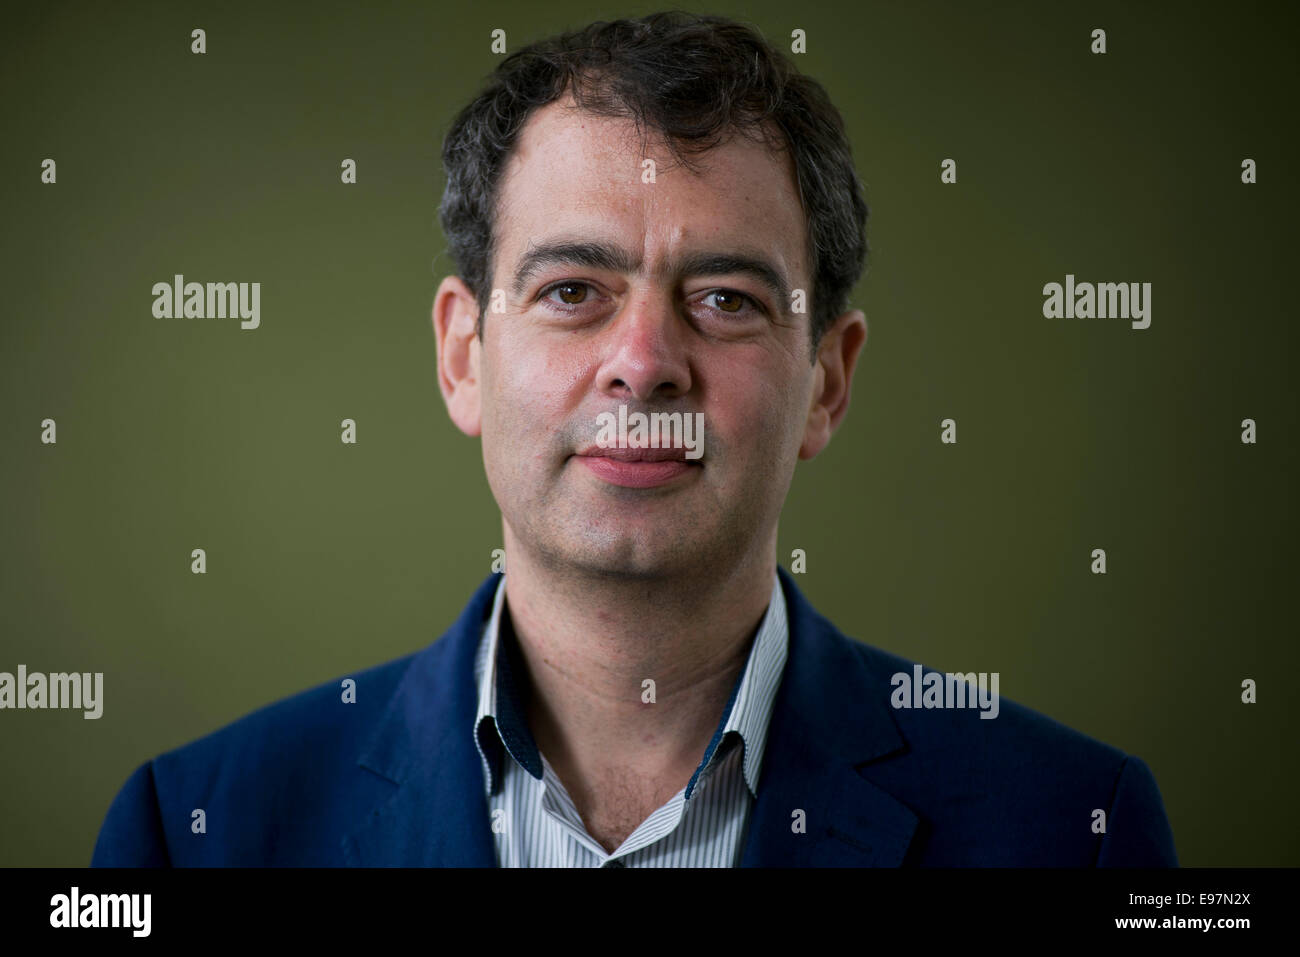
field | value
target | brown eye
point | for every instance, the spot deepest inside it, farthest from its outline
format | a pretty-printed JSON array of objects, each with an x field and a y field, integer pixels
[
  {"x": 572, "y": 293},
  {"x": 728, "y": 302}
]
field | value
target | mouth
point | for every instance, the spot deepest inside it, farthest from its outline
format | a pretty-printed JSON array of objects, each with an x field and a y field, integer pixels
[{"x": 638, "y": 467}]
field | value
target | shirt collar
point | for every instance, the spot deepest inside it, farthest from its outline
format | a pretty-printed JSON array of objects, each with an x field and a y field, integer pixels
[{"x": 501, "y": 724}]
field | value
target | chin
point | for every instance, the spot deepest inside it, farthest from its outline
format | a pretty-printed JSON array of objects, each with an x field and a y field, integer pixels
[{"x": 627, "y": 558}]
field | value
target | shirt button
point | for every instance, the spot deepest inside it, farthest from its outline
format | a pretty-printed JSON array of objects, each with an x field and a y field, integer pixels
[{"x": 613, "y": 862}]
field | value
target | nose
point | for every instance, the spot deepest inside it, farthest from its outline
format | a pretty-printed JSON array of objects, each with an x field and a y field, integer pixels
[{"x": 647, "y": 352}]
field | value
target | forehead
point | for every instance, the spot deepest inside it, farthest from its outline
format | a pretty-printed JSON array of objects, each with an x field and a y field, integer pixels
[{"x": 573, "y": 172}]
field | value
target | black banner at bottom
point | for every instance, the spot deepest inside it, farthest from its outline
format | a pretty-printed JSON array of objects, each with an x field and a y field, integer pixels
[{"x": 333, "y": 907}]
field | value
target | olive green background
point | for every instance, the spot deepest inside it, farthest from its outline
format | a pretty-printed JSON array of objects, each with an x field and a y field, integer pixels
[{"x": 325, "y": 558}]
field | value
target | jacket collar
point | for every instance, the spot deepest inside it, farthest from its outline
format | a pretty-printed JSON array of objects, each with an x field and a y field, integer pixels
[
  {"x": 829, "y": 716},
  {"x": 436, "y": 816}
]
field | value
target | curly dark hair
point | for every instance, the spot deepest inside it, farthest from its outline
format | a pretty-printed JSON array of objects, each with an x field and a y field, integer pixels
[{"x": 692, "y": 79}]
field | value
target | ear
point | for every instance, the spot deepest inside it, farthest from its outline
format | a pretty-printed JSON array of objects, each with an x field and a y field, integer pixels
[
  {"x": 455, "y": 321},
  {"x": 837, "y": 356}
]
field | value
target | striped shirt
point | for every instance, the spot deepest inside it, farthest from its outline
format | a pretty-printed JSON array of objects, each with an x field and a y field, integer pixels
[{"x": 534, "y": 821}]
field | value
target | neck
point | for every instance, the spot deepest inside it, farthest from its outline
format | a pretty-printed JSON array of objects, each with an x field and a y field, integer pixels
[{"x": 590, "y": 644}]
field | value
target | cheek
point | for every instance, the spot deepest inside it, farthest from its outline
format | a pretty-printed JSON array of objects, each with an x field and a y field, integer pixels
[
  {"x": 753, "y": 407},
  {"x": 531, "y": 391}
]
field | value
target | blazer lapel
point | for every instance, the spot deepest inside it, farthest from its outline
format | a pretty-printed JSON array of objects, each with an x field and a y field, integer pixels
[
  {"x": 437, "y": 815},
  {"x": 830, "y": 715}
]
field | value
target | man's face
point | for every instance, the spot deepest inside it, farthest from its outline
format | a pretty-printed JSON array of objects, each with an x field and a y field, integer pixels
[{"x": 579, "y": 338}]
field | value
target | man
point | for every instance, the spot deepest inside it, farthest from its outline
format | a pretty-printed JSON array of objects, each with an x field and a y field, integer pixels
[{"x": 649, "y": 217}]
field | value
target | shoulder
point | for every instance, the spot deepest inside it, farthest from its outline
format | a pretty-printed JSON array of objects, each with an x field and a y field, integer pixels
[
  {"x": 288, "y": 782},
  {"x": 946, "y": 710},
  {"x": 999, "y": 783},
  {"x": 931, "y": 716},
  {"x": 298, "y": 732},
  {"x": 259, "y": 788}
]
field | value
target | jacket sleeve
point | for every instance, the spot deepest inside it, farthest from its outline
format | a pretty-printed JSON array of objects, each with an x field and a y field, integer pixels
[
  {"x": 1137, "y": 829},
  {"x": 132, "y": 834}
]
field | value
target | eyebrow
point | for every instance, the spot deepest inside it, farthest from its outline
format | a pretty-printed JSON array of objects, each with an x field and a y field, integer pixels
[{"x": 597, "y": 255}]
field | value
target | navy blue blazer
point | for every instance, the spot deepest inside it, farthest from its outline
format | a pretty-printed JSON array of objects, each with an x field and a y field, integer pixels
[{"x": 395, "y": 778}]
